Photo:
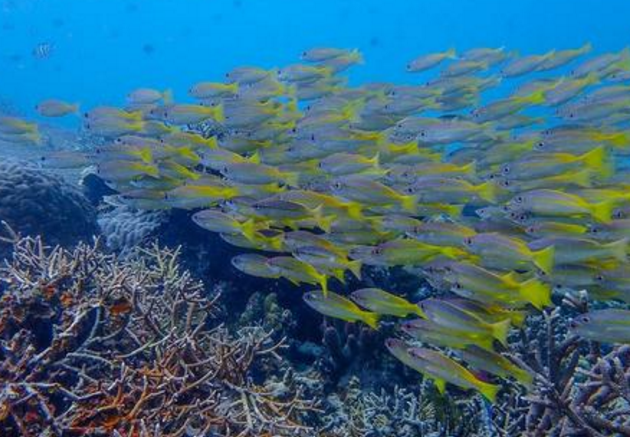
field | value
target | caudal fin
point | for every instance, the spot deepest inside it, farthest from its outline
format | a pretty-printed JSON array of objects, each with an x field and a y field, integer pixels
[
  {"x": 536, "y": 292},
  {"x": 618, "y": 249},
  {"x": 544, "y": 259},
  {"x": 489, "y": 391},
  {"x": 487, "y": 191},
  {"x": 248, "y": 228},
  {"x": 409, "y": 203},
  {"x": 500, "y": 331},
  {"x": 370, "y": 319},
  {"x": 355, "y": 268},
  {"x": 603, "y": 211}
]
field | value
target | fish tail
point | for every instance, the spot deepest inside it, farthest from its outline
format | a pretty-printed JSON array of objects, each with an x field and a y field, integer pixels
[
  {"x": 325, "y": 222},
  {"x": 354, "y": 211},
  {"x": 409, "y": 203},
  {"x": 355, "y": 268},
  {"x": 582, "y": 178},
  {"x": 470, "y": 169},
  {"x": 75, "y": 108},
  {"x": 618, "y": 249},
  {"x": 323, "y": 282},
  {"x": 218, "y": 114},
  {"x": 292, "y": 179},
  {"x": 418, "y": 311},
  {"x": 454, "y": 210},
  {"x": 535, "y": 292},
  {"x": 595, "y": 159},
  {"x": 370, "y": 319},
  {"x": 440, "y": 384},
  {"x": 451, "y": 53},
  {"x": 603, "y": 211},
  {"x": 167, "y": 96},
  {"x": 489, "y": 391},
  {"x": 586, "y": 48},
  {"x": 249, "y": 230},
  {"x": 500, "y": 331},
  {"x": 544, "y": 259},
  {"x": 339, "y": 274},
  {"x": 523, "y": 376},
  {"x": 518, "y": 317},
  {"x": 146, "y": 155},
  {"x": 254, "y": 158},
  {"x": 488, "y": 191}
]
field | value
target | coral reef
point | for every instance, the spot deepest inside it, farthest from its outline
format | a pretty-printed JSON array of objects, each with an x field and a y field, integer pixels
[
  {"x": 37, "y": 202},
  {"x": 124, "y": 228},
  {"x": 93, "y": 345}
]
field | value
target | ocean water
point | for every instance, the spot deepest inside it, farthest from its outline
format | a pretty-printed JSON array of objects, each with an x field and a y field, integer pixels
[
  {"x": 99, "y": 46},
  {"x": 431, "y": 254}
]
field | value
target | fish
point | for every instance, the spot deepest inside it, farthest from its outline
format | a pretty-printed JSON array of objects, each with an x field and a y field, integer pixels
[
  {"x": 385, "y": 303},
  {"x": 149, "y": 95},
  {"x": 527, "y": 64},
  {"x": 334, "y": 305},
  {"x": 440, "y": 368},
  {"x": 494, "y": 363},
  {"x": 509, "y": 252},
  {"x": 254, "y": 265},
  {"x": 218, "y": 221},
  {"x": 431, "y": 333},
  {"x": 43, "y": 50},
  {"x": 447, "y": 314},
  {"x": 554, "y": 203},
  {"x": 426, "y": 62},
  {"x": 606, "y": 326},
  {"x": 326, "y": 258},
  {"x": 298, "y": 272},
  {"x": 56, "y": 108}
]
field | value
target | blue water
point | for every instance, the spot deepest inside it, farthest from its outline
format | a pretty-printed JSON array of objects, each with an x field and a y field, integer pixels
[{"x": 102, "y": 49}]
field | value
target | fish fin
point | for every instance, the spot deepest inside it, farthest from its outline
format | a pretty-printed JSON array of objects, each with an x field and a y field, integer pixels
[
  {"x": 370, "y": 319},
  {"x": 487, "y": 191},
  {"x": 586, "y": 48},
  {"x": 603, "y": 211},
  {"x": 409, "y": 203},
  {"x": 536, "y": 292},
  {"x": 254, "y": 158},
  {"x": 292, "y": 179},
  {"x": 544, "y": 259},
  {"x": 523, "y": 376},
  {"x": 418, "y": 311},
  {"x": 76, "y": 108},
  {"x": 339, "y": 274},
  {"x": 218, "y": 114},
  {"x": 323, "y": 282},
  {"x": 355, "y": 268},
  {"x": 582, "y": 178},
  {"x": 167, "y": 97},
  {"x": 595, "y": 158},
  {"x": 470, "y": 169},
  {"x": 151, "y": 170},
  {"x": 518, "y": 318},
  {"x": 451, "y": 53},
  {"x": 145, "y": 155},
  {"x": 249, "y": 229},
  {"x": 440, "y": 384},
  {"x": 501, "y": 330},
  {"x": 454, "y": 210},
  {"x": 486, "y": 343},
  {"x": 489, "y": 391},
  {"x": 619, "y": 249},
  {"x": 354, "y": 210}
]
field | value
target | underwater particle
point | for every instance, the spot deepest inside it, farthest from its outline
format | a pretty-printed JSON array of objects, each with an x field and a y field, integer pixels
[
  {"x": 237, "y": 4},
  {"x": 374, "y": 41},
  {"x": 149, "y": 49},
  {"x": 58, "y": 22}
]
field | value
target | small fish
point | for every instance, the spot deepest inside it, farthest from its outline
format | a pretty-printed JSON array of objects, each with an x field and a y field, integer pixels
[
  {"x": 563, "y": 57},
  {"x": 43, "y": 50},
  {"x": 449, "y": 315},
  {"x": 191, "y": 114},
  {"x": 509, "y": 252},
  {"x": 218, "y": 221},
  {"x": 149, "y": 95},
  {"x": 327, "y": 259},
  {"x": 494, "y": 363},
  {"x": 526, "y": 64},
  {"x": 384, "y": 303},
  {"x": 555, "y": 203},
  {"x": 336, "y": 306},
  {"x": 254, "y": 265},
  {"x": 606, "y": 326},
  {"x": 213, "y": 90},
  {"x": 575, "y": 250},
  {"x": 426, "y": 62},
  {"x": 431, "y": 333},
  {"x": 440, "y": 368},
  {"x": 56, "y": 108},
  {"x": 298, "y": 272},
  {"x": 403, "y": 252}
]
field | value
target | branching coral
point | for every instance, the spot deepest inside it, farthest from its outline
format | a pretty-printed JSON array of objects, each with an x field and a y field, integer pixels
[{"x": 90, "y": 345}]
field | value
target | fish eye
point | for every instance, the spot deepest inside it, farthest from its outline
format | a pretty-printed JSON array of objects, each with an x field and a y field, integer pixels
[
  {"x": 423, "y": 133},
  {"x": 468, "y": 241},
  {"x": 618, "y": 215},
  {"x": 506, "y": 169},
  {"x": 377, "y": 251},
  {"x": 506, "y": 183},
  {"x": 336, "y": 185},
  {"x": 540, "y": 145},
  {"x": 519, "y": 199},
  {"x": 571, "y": 115},
  {"x": 457, "y": 286},
  {"x": 599, "y": 278}
]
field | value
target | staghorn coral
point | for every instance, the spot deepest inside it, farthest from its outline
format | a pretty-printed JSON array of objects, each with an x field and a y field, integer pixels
[
  {"x": 91, "y": 345},
  {"x": 37, "y": 202}
]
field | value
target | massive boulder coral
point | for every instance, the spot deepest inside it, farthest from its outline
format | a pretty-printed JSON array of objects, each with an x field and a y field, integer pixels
[
  {"x": 91, "y": 345},
  {"x": 37, "y": 202}
]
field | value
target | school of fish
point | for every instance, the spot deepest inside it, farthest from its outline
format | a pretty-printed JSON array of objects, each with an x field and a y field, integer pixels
[{"x": 501, "y": 179}]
